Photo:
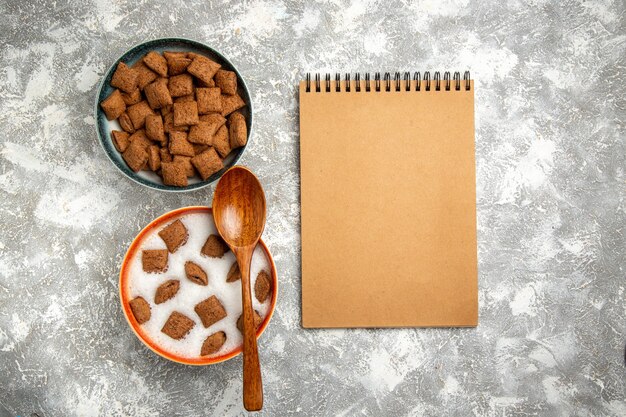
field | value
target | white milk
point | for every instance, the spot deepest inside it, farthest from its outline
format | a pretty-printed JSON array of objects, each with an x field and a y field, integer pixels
[{"x": 143, "y": 284}]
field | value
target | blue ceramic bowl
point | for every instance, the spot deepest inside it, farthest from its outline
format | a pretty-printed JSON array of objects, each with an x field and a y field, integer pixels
[{"x": 104, "y": 126}]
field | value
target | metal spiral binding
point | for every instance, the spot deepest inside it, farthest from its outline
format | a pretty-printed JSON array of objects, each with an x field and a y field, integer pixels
[
  {"x": 427, "y": 79},
  {"x": 466, "y": 77},
  {"x": 417, "y": 77}
]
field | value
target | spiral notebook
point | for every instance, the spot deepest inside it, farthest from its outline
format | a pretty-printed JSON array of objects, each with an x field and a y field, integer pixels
[{"x": 388, "y": 201}]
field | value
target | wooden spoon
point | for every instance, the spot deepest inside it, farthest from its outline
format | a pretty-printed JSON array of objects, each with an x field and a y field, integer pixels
[{"x": 239, "y": 211}]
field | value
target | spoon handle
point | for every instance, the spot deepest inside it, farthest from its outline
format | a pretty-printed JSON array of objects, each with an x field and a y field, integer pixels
[{"x": 252, "y": 383}]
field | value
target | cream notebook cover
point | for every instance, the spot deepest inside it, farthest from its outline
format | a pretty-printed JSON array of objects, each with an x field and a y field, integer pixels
[{"x": 388, "y": 200}]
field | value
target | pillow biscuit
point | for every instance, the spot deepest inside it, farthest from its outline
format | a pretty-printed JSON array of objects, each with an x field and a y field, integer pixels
[
  {"x": 178, "y": 66},
  {"x": 185, "y": 162},
  {"x": 165, "y": 154},
  {"x": 177, "y": 325},
  {"x": 124, "y": 78},
  {"x": 157, "y": 94},
  {"x": 166, "y": 291},
  {"x": 179, "y": 145},
  {"x": 135, "y": 156},
  {"x": 196, "y": 274},
  {"x": 154, "y": 158},
  {"x": 177, "y": 62},
  {"x": 120, "y": 140},
  {"x": 234, "y": 273},
  {"x": 262, "y": 286},
  {"x": 210, "y": 311},
  {"x": 257, "y": 321},
  {"x": 226, "y": 81},
  {"x": 174, "y": 234},
  {"x": 126, "y": 123},
  {"x": 202, "y": 133},
  {"x": 214, "y": 247},
  {"x": 209, "y": 100},
  {"x": 133, "y": 97},
  {"x": 231, "y": 103},
  {"x": 174, "y": 54},
  {"x": 113, "y": 105},
  {"x": 213, "y": 118},
  {"x": 154, "y": 260},
  {"x": 207, "y": 163},
  {"x": 138, "y": 112},
  {"x": 173, "y": 174},
  {"x": 168, "y": 124},
  {"x": 156, "y": 63},
  {"x": 154, "y": 128},
  {"x": 180, "y": 85},
  {"x": 140, "y": 139},
  {"x": 144, "y": 74},
  {"x": 221, "y": 142},
  {"x": 203, "y": 68},
  {"x": 140, "y": 309},
  {"x": 186, "y": 113},
  {"x": 213, "y": 343},
  {"x": 238, "y": 131}
]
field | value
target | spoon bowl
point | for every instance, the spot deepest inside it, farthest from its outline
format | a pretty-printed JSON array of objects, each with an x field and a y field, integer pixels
[
  {"x": 239, "y": 211},
  {"x": 239, "y": 207}
]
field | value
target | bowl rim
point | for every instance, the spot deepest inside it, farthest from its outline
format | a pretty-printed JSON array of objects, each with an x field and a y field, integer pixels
[
  {"x": 147, "y": 183},
  {"x": 135, "y": 326}
]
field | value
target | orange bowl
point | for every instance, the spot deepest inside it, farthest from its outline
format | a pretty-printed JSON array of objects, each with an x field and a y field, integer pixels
[{"x": 134, "y": 325}]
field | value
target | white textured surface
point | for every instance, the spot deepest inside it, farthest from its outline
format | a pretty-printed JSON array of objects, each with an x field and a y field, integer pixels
[{"x": 550, "y": 151}]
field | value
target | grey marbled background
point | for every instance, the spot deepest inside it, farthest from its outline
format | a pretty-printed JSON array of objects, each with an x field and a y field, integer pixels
[{"x": 550, "y": 114}]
